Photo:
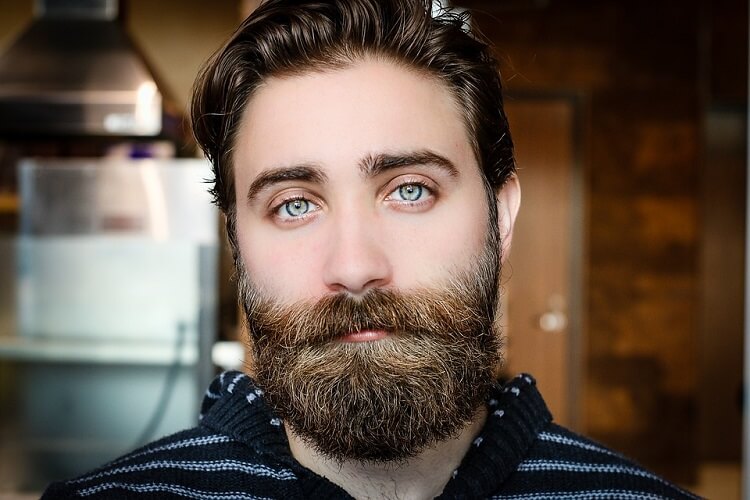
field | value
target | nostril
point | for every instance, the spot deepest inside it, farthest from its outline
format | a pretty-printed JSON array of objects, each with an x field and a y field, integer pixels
[
  {"x": 355, "y": 260},
  {"x": 357, "y": 273}
]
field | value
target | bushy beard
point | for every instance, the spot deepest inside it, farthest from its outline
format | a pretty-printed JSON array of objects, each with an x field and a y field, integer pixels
[{"x": 384, "y": 400}]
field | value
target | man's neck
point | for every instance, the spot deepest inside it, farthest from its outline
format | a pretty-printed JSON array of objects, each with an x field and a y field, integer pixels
[{"x": 421, "y": 477}]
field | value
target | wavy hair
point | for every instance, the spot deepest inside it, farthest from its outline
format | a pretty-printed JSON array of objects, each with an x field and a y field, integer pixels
[{"x": 291, "y": 37}]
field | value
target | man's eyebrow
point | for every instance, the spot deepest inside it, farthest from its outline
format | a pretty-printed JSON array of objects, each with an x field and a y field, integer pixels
[
  {"x": 308, "y": 173},
  {"x": 375, "y": 164}
]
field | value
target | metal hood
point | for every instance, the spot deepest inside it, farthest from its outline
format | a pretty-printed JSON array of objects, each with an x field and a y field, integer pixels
[{"x": 74, "y": 72}]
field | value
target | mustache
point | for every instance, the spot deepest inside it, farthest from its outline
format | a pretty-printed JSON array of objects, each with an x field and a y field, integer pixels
[
  {"x": 385, "y": 400},
  {"x": 445, "y": 314}
]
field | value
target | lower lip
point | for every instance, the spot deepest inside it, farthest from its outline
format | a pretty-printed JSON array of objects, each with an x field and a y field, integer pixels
[{"x": 364, "y": 336}]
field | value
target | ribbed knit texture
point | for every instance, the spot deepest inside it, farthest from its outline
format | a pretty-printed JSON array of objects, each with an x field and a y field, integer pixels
[{"x": 240, "y": 451}]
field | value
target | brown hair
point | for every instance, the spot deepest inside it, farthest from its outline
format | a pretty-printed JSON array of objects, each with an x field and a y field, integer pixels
[{"x": 287, "y": 37}]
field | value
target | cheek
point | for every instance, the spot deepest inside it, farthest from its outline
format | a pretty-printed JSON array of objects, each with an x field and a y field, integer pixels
[
  {"x": 425, "y": 251},
  {"x": 277, "y": 262}
]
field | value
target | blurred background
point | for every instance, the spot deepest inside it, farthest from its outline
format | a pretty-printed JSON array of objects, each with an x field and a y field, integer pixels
[{"x": 624, "y": 293}]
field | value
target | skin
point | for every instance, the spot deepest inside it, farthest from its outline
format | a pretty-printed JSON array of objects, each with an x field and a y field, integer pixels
[{"x": 358, "y": 178}]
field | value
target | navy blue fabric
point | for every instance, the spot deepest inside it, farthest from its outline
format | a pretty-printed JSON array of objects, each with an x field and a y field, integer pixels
[{"x": 240, "y": 451}]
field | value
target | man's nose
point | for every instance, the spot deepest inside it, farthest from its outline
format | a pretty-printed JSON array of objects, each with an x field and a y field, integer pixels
[{"x": 356, "y": 260}]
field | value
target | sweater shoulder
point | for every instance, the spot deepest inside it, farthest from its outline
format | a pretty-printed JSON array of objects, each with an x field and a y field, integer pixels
[
  {"x": 562, "y": 463},
  {"x": 194, "y": 463}
]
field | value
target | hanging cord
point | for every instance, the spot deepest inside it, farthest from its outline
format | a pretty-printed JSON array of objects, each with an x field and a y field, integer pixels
[{"x": 167, "y": 389}]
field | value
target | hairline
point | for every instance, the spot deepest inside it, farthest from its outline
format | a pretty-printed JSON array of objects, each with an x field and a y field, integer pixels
[{"x": 341, "y": 60}]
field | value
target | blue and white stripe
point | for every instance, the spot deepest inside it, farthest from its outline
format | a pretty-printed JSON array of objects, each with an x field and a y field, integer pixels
[
  {"x": 584, "y": 495},
  {"x": 590, "y": 468},
  {"x": 212, "y": 395},
  {"x": 233, "y": 383},
  {"x": 563, "y": 466},
  {"x": 185, "y": 443},
  {"x": 257, "y": 470},
  {"x": 169, "y": 488},
  {"x": 564, "y": 440}
]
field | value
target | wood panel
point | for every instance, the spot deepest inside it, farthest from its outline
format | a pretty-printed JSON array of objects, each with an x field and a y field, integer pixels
[
  {"x": 539, "y": 337},
  {"x": 638, "y": 67}
]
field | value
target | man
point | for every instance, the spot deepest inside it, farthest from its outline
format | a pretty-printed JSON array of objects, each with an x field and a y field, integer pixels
[{"x": 365, "y": 168}]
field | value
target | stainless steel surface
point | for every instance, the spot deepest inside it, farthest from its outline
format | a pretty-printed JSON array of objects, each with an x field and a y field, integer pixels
[
  {"x": 116, "y": 297},
  {"x": 110, "y": 352},
  {"x": 116, "y": 249},
  {"x": 105, "y": 10},
  {"x": 75, "y": 72},
  {"x": 163, "y": 199}
]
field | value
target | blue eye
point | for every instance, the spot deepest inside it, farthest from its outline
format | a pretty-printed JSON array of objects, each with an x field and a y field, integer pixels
[
  {"x": 297, "y": 208},
  {"x": 294, "y": 209},
  {"x": 410, "y": 192}
]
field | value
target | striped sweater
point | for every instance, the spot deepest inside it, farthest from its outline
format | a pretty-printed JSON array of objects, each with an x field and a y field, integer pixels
[{"x": 240, "y": 451}]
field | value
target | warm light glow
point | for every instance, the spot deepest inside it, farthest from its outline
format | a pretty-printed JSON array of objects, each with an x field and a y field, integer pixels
[
  {"x": 148, "y": 108},
  {"x": 157, "y": 206}
]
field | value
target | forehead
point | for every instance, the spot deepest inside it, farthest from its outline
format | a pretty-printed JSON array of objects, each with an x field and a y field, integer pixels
[{"x": 336, "y": 117}]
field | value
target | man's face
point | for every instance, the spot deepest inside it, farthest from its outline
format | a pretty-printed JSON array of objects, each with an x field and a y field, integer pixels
[
  {"x": 356, "y": 223},
  {"x": 368, "y": 264}
]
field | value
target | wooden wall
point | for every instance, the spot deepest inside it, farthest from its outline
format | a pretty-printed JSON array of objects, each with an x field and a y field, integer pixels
[
  {"x": 643, "y": 71},
  {"x": 723, "y": 185}
]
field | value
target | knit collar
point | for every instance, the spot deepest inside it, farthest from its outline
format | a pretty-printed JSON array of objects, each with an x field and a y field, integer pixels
[{"x": 234, "y": 405}]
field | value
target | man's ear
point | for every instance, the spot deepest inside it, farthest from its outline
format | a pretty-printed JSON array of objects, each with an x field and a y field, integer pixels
[{"x": 508, "y": 203}]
